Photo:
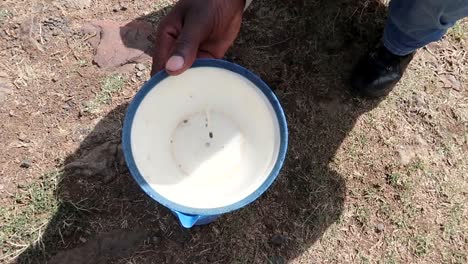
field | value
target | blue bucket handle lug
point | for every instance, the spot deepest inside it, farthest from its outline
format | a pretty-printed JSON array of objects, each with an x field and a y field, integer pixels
[{"x": 187, "y": 221}]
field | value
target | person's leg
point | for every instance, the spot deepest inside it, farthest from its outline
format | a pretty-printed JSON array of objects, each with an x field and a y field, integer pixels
[{"x": 411, "y": 25}]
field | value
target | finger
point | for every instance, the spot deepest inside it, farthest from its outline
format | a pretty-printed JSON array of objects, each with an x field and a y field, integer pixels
[
  {"x": 202, "y": 54},
  {"x": 162, "y": 51},
  {"x": 164, "y": 42},
  {"x": 186, "y": 46},
  {"x": 215, "y": 49}
]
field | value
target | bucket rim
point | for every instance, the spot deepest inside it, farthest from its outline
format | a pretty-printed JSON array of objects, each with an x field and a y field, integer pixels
[{"x": 140, "y": 180}]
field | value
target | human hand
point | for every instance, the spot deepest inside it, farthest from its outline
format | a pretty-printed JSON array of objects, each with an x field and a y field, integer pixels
[{"x": 196, "y": 29}]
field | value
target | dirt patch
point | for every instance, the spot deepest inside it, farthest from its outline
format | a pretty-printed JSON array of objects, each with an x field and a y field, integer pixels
[{"x": 115, "y": 245}]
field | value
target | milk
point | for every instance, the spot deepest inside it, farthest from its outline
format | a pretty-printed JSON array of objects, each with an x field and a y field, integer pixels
[{"x": 205, "y": 139}]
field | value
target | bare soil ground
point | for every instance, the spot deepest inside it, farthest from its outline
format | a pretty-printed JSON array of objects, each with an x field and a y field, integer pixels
[{"x": 365, "y": 181}]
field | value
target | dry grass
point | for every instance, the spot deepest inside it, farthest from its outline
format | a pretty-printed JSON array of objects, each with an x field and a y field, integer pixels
[
  {"x": 365, "y": 181},
  {"x": 35, "y": 209},
  {"x": 110, "y": 86}
]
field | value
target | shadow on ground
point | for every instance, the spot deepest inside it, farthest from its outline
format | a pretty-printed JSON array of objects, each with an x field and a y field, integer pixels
[{"x": 305, "y": 50}]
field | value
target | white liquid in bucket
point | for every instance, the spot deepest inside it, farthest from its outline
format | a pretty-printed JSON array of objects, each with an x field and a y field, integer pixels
[{"x": 205, "y": 139}]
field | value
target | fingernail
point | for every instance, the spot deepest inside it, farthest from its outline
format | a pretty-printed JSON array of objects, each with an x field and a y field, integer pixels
[{"x": 175, "y": 63}]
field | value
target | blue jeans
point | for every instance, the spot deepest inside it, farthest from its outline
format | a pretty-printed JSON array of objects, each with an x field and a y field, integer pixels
[{"x": 412, "y": 24}]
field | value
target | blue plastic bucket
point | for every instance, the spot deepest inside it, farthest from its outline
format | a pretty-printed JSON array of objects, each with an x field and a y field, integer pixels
[{"x": 190, "y": 217}]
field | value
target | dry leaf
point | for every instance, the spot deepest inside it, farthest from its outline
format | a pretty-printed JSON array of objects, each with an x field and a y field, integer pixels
[{"x": 450, "y": 82}]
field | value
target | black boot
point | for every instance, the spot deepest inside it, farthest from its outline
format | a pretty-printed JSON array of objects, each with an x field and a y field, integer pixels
[{"x": 378, "y": 72}]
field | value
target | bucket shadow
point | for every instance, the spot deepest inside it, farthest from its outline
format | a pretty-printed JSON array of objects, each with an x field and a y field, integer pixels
[{"x": 104, "y": 217}]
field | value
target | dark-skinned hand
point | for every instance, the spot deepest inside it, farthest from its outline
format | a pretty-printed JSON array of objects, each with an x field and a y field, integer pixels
[{"x": 196, "y": 29}]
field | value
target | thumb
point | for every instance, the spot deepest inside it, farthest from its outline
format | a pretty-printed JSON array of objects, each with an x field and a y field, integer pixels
[{"x": 185, "y": 48}]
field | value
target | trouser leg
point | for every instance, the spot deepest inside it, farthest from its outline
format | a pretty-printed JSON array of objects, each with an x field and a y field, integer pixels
[{"x": 412, "y": 24}]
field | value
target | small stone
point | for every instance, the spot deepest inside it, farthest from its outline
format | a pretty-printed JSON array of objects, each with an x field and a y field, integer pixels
[
  {"x": 418, "y": 100},
  {"x": 420, "y": 141},
  {"x": 379, "y": 228},
  {"x": 156, "y": 239},
  {"x": 22, "y": 137},
  {"x": 4, "y": 92},
  {"x": 83, "y": 240},
  {"x": 278, "y": 240},
  {"x": 78, "y": 4},
  {"x": 54, "y": 79},
  {"x": 140, "y": 66},
  {"x": 405, "y": 155},
  {"x": 139, "y": 74},
  {"x": 118, "y": 8},
  {"x": 279, "y": 93},
  {"x": 277, "y": 260},
  {"x": 108, "y": 178},
  {"x": 121, "y": 159},
  {"x": 26, "y": 164},
  {"x": 216, "y": 230},
  {"x": 3, "y": 74}
]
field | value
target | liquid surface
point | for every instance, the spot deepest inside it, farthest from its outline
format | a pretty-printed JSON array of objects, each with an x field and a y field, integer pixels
[{"x": 205, "y": 139}]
